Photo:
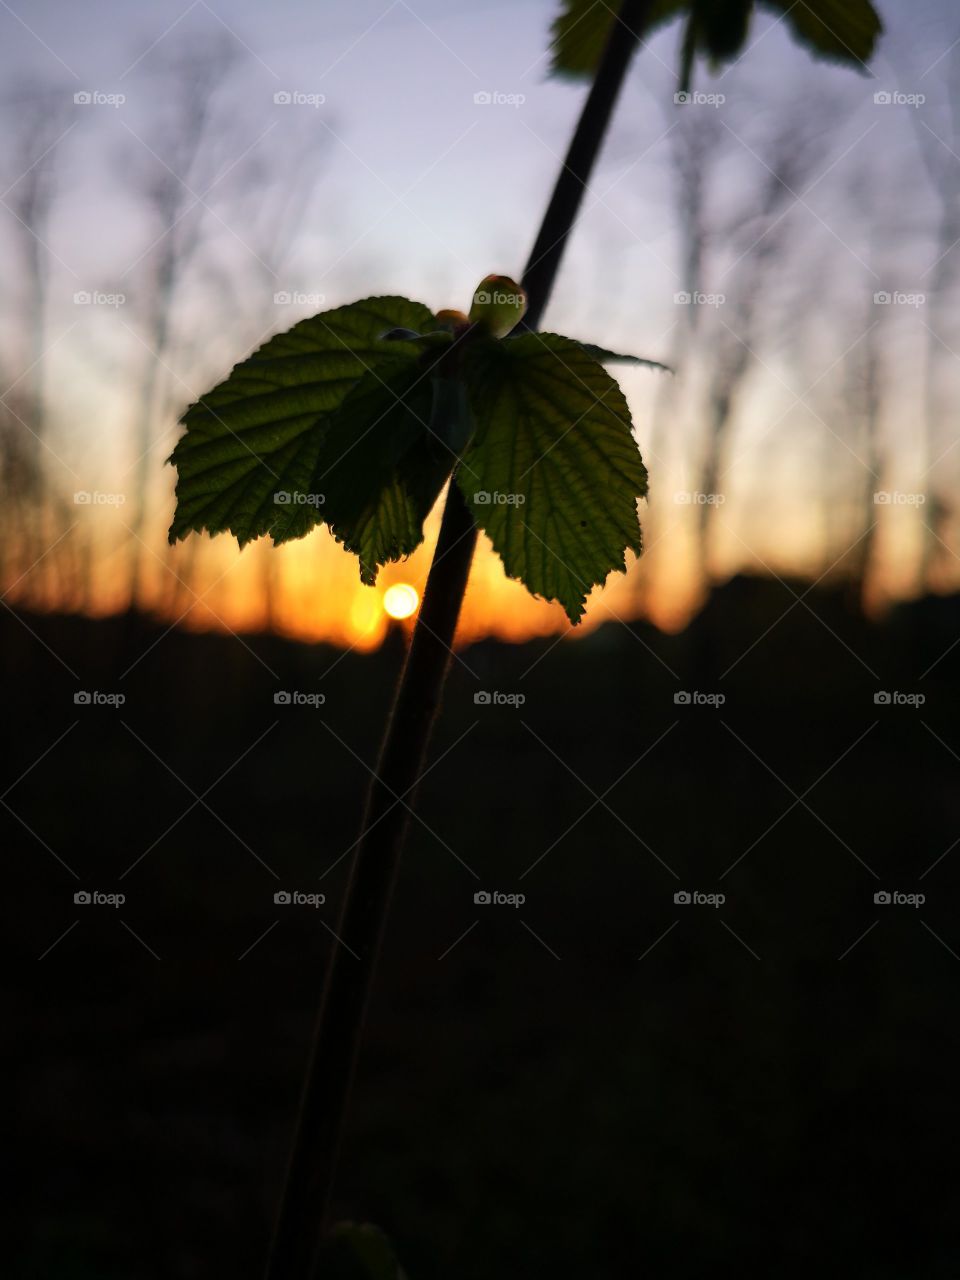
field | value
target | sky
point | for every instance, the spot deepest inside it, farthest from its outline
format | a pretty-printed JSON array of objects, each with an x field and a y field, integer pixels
[{"x": 416, "y": 143}]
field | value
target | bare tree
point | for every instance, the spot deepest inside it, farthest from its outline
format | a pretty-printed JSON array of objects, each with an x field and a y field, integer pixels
[
  {"x": 40, "y": 116},
  {"x": 865, "y": 397},
  {"x": 169, "y": 179},
  {"x": 758, "y": 240},
  {"x": 697, "y": 143},
  {"x": 223, "y": 206},
  {"x": 939, "y": 147}
]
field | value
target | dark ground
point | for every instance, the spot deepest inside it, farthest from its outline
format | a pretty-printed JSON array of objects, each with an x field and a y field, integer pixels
[{"x": 599, "y": 1083}]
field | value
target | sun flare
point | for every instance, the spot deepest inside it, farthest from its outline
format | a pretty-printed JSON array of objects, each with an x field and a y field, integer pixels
[{"x": 400, "y": 600}]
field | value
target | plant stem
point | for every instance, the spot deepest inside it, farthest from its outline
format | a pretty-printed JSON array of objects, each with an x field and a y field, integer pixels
[
  {"x": 306, "y": 1204},
  {"x": 585, "y": 145},
  {"x": 360, "y": 931}
]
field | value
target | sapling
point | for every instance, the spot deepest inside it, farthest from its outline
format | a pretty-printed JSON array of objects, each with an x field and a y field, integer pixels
[{"x": 357, "y": 418}]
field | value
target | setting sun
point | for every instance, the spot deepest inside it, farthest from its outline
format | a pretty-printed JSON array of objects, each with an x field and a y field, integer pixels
[{"x": 400, "y": 600}]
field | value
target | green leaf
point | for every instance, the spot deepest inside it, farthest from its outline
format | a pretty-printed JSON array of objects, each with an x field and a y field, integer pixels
[
  {"x": 380, "y": 466},
  {"x": 841, "y": 30},
  {"x": 552, "y": 473},
  {"x": 580, "y": 31},
  {"x": 359, "y": 1251},
  {"x": 611, "y": 357},
  {"x": 258, "y": 433}
]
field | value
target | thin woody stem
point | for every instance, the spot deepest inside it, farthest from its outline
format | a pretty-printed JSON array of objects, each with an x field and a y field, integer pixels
[{"x": 305, "y": 1210}]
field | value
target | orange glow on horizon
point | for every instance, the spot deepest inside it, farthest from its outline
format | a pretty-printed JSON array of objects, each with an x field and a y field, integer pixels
[{"x": 310, "y": 590}]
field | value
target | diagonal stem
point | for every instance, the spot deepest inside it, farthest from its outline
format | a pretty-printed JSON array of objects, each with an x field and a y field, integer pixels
[
  {"x": 582, "y": 154},
  {"x": 305, "y": 1209},
  {"x": 370, "y": 888}
]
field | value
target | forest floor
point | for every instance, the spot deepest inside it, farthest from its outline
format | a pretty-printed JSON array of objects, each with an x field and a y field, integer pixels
[{"x": 764, "y": 1084}]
